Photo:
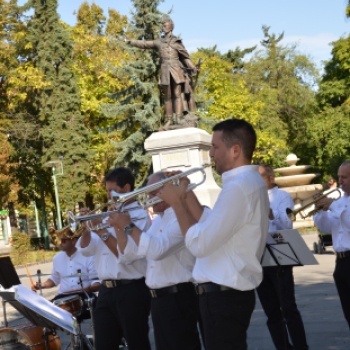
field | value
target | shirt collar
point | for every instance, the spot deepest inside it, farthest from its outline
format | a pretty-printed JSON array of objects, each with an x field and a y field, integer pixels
[
  {"x": 166, "y": 212},
  {"x": 230, "y": 174},
  {"x": 273, "y": 189}
]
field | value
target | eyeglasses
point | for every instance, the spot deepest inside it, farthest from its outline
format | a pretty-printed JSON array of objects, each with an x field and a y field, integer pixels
[{"x": 64, "y": 240}]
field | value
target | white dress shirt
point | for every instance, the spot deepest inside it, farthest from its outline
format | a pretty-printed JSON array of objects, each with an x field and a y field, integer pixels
[
  {"x": 334, "y": 221},
  {"x": 64, "y": 265},
  {"x": 279, "y": 201},
  {"x": 229, "y": 240},
  {"x": 169, "y": 262},
  {"x": 106, "y": 262}
]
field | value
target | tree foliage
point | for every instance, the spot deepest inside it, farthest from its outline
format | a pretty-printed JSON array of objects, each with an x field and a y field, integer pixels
[
  {"x": 138, "y": 107},
  {"x": 57, "y": 105},
  {"x": 95, "y": 52}
]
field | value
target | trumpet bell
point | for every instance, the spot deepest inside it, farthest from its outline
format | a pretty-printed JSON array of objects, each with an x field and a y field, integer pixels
[{"x": 290, "y": 214}]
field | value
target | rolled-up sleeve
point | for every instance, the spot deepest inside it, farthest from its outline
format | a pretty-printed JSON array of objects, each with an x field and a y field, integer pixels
[
  {"x": 130, "y": 253},
  {"x": 281, "y": 220},
  {"x": 217, "y": 226},
  {"x": 91, "y": 249}
]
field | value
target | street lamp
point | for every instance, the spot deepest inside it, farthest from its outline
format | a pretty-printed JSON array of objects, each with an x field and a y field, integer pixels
[{"x": 53, "y": 164}]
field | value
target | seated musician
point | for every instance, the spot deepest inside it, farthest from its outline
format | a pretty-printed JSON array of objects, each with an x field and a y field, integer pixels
[{"x": 67, "y": 262}]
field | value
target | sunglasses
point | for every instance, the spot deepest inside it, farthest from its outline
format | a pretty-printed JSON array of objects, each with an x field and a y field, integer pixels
[{"x": 64, "y": 240}]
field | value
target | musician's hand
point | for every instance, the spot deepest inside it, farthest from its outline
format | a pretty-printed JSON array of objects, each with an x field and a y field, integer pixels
[
  {"x": 82, "y": 212},
  {"x": 34, "y": 287},
  {"x": 172, "y": 194},
  {"x": 119, "y": 220},
  {"x": 324, "y": 203},
  {"x": 271, "y": 216},
  {"x": 317, "y": 195}
]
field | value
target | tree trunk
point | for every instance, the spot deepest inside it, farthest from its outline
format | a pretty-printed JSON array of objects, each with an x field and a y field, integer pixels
[
  {"x": 13, "y": 217},
  {"x": 89, "y": 200}
]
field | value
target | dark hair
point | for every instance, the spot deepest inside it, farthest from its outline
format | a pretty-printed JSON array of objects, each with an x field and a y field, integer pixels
[
  {"x": 121, "y": 176},
  {"x": 268, "y": 170},
  {"x": 238, "y": 131}
]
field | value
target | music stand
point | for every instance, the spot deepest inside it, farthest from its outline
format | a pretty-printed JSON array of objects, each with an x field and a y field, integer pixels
[
  {"x": 38, "y": 310},
  {"x": 8, "y": 274},
  {"x": 286, "y": 248}
]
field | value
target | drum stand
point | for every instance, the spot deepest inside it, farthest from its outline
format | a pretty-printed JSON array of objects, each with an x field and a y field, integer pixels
[{"x": 81, "y": 341}]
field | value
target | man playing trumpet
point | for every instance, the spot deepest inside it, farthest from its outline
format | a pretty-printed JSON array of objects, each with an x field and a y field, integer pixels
[
  {"x": 123, "y": 303},
  {"x": 333, "y": 218},
  {"x": 168, "y": 276}
]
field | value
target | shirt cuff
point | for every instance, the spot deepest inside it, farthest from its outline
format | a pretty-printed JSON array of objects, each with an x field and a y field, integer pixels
[
  {"x": 145, "y": 241},
  {"x": 276, "y": 214},
  {"x": 128, "y": 256},
  {"x": 90, "y": 249},
  {"x": 205, "y": 214}
]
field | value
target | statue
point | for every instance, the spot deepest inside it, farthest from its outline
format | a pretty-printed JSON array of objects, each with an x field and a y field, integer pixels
[{"x": 176, "y": 74}]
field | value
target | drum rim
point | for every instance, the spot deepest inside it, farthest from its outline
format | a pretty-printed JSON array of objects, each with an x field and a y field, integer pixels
[{"x": 66, "y": 299}]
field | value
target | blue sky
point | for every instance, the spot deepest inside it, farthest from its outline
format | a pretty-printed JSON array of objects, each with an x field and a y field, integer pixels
[{"x": 230, "y": 23}]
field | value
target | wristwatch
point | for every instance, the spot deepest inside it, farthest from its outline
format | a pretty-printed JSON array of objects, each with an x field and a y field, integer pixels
[
  {"x": 128, "y": 228},
  {"x": 105, "y": 236}
]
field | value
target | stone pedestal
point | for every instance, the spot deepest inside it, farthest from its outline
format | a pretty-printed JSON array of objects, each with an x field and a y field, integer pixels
[{"x": 182, "y": 150}]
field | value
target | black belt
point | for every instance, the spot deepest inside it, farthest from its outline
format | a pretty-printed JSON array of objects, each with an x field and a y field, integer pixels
[
  {"x": 345, "y": 254},
  {"x": 117, "y": 283},
  {"x": 156, "y": 293},
  {"x": 202, "y": 288}
]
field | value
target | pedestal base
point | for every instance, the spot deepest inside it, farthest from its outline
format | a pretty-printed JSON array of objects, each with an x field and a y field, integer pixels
[{"x": 182, "y": 150}]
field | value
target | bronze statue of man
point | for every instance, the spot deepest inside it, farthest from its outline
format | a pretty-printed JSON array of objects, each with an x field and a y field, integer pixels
[{"x": 176, "y": 71}]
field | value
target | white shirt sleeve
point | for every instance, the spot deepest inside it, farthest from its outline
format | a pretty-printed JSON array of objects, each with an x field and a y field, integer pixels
[
  {"x": 220, "y": 224},
  {"x": 91, "y": 249},
  {"x": 168, "y": 243},
  {"x": 281, "y": 220},
  {"x": 55, "y": 276},
  {"x": 325, "y": 221},
  {"x": 130, "y": 253},
  {"x": 91, "y": 269}
]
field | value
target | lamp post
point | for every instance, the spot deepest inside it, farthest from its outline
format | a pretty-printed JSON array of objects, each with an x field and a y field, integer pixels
[
  {"x": 38, "y": 232},
  {"x": 53, "y": 164}
]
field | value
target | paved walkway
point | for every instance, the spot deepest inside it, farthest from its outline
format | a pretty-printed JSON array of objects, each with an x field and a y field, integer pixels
[{"x": 317, "y": 299}]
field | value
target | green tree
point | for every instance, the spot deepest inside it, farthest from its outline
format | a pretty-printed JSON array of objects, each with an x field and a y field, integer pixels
[
  {"x": 57, "y": 105},
  {"x": 284, "y": 81},
  {"x": 95, "y": 51},
  {"x": 138, "y": 108},
  {"x": 328, "y": 131}
]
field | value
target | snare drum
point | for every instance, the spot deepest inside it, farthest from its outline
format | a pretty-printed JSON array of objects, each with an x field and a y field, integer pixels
[
  {"x": 27, "y": 336},
  {"x": 70, "y": 303}
]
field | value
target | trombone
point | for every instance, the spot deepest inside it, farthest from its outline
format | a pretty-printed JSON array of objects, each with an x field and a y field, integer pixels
[
  {"x": 292, "y": 214},
  {"x": 120, "y": 199}
]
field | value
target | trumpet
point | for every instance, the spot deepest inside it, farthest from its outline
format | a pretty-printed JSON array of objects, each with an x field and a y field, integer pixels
[
  {"x": 120, "y": 199},
  {"x": 292, "y": 214},
  {"x": 70, "y": 230}
]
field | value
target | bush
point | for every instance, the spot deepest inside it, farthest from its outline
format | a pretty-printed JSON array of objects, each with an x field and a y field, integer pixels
[{"x": 20, "y": 245}]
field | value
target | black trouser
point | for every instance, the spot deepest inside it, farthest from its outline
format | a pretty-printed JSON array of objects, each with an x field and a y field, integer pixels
[
  {"x": 341, "y": 277},
  {"x": 269, "y": 295},
  {"x": 226, "y": 316},
  {"x": 174, "y": 319},
  {"x": 123, "y": 311}
]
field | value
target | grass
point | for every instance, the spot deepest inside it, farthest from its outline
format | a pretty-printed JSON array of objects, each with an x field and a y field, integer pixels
[{"x": 32, "y": 256}]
